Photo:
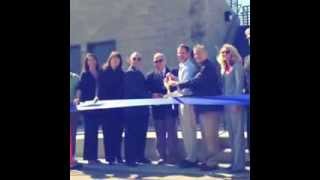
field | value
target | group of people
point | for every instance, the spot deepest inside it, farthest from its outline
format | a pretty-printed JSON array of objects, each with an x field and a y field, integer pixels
[{"x": 195, "y": 76}]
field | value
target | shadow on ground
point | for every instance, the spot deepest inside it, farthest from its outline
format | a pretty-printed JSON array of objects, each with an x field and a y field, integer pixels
[{"x": 152, "y": 172}]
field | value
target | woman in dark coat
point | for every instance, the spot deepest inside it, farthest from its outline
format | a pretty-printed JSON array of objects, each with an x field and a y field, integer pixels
[
  {"x": 87, "y": 90},
  {"x": 111, "y": 81}
]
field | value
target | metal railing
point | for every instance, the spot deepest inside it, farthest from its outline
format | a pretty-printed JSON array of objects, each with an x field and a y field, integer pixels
[
  {"x": 242, "y": 11},
  {"x": 234, "y": 5},
  {"x": 245, "y": 16}
]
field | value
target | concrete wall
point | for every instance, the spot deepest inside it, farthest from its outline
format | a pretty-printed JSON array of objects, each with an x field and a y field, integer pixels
[{"x": 149, "y": 25}]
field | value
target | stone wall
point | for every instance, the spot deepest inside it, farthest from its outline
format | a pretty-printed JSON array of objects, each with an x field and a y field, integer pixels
[{"x": 149, "y": 25}]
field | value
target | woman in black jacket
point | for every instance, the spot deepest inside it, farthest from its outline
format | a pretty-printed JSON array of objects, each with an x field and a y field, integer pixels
[
  {"x": 87, "y": 90},
  {"x": 136, "y": 118},
  {"x": 111, "y": 81}
]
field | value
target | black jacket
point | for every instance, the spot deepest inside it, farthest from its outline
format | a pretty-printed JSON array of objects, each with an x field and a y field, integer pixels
[
  {"x": 135, "y": 88},
  {"x": 207, "y": 82},
  {"x": 111, "y": 84},
  {"x": 135, "y": 85},
  {"x": 155, "y": 85},
  {"x": 87, "y": 85}
]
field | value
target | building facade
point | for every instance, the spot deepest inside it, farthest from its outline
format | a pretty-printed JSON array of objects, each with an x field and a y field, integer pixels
[{"x": 147, "y": 26}]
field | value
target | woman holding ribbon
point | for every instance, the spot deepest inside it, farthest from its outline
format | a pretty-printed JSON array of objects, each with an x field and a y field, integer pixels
[{"x": 87, "y": 90}]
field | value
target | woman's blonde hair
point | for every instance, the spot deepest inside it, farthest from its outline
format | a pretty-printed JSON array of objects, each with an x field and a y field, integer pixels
[{"x": 235, "y": 56}]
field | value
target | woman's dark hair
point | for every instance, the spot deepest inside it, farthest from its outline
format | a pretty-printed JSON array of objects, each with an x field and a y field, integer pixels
[
  {"x": 85, "y": 66},
  {"x": 113, "y": 54}
]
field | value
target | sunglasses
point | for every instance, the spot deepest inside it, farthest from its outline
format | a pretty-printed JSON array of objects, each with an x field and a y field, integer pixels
[
  {"x": 225, "y": 52},
  {"x": 136, "y": 59},
  {"x": 158, "y": 61}
]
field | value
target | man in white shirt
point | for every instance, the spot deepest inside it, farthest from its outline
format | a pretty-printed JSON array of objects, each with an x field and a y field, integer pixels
[{"x": 187, "y": 70}]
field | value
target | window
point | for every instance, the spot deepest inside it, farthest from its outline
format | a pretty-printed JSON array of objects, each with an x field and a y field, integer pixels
[
  {"x": 75, "y": 59},
  {"x": 102, "y": 49}
]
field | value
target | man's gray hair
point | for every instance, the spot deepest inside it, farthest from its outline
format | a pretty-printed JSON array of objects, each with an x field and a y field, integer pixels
[{"x": 199, "y": 46}]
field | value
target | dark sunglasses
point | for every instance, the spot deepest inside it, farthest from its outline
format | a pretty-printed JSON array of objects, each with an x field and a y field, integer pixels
[
  {"x": 158, "y": 61},
  {"x": 136, "y": 59},
  {"x": 225, "y": 52}
]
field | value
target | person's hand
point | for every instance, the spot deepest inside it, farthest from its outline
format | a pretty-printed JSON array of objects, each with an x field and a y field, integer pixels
[
  {"x": 168, "y": 82},
  {"x": 165, "y": 82},
  {"x": 76, "y": 101},
  {"x": 171, "y": 76},
  {"x": 172, "y": 83},
  {"x": 96, "y": 99}
]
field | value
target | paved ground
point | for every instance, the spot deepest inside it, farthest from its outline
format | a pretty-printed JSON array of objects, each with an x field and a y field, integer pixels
[{"x": 153, "y": 172}]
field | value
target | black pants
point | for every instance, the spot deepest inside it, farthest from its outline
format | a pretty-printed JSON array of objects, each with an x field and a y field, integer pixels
[
  {"x": 113, "y": 125},
  {"x": 91, "y": 127},
  {"x": 136, "y": 126},
  {"x": 167, "y": 146}
]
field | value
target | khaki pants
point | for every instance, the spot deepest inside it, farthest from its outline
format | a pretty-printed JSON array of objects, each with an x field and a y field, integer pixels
[
  {"x": 209, "y": 123},
  {"x": 189, "y": 131}
]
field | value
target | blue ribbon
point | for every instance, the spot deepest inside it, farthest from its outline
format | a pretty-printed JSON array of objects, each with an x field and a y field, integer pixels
[
  {"x": 244, "y": 99},
  {"x": 211, "y": 100}
]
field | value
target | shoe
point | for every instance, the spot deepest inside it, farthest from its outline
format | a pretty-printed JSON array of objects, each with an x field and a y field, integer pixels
[
  {"x": 171, "y": 160},
  {"x": 144, "y": 161},
  {"x": 230, "y": 169},
  {"x": 110, "y": 161},
  {"x": 187, "y": 164},
  {"x": 131, "y": 164},
  {"x": 204, "y": 167},
  {"x": 119, "y": 160},
  {"x": 95, "y": 162},
  {"x": 161, "y": 162},
  {"x": 76, "y": 167}
]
